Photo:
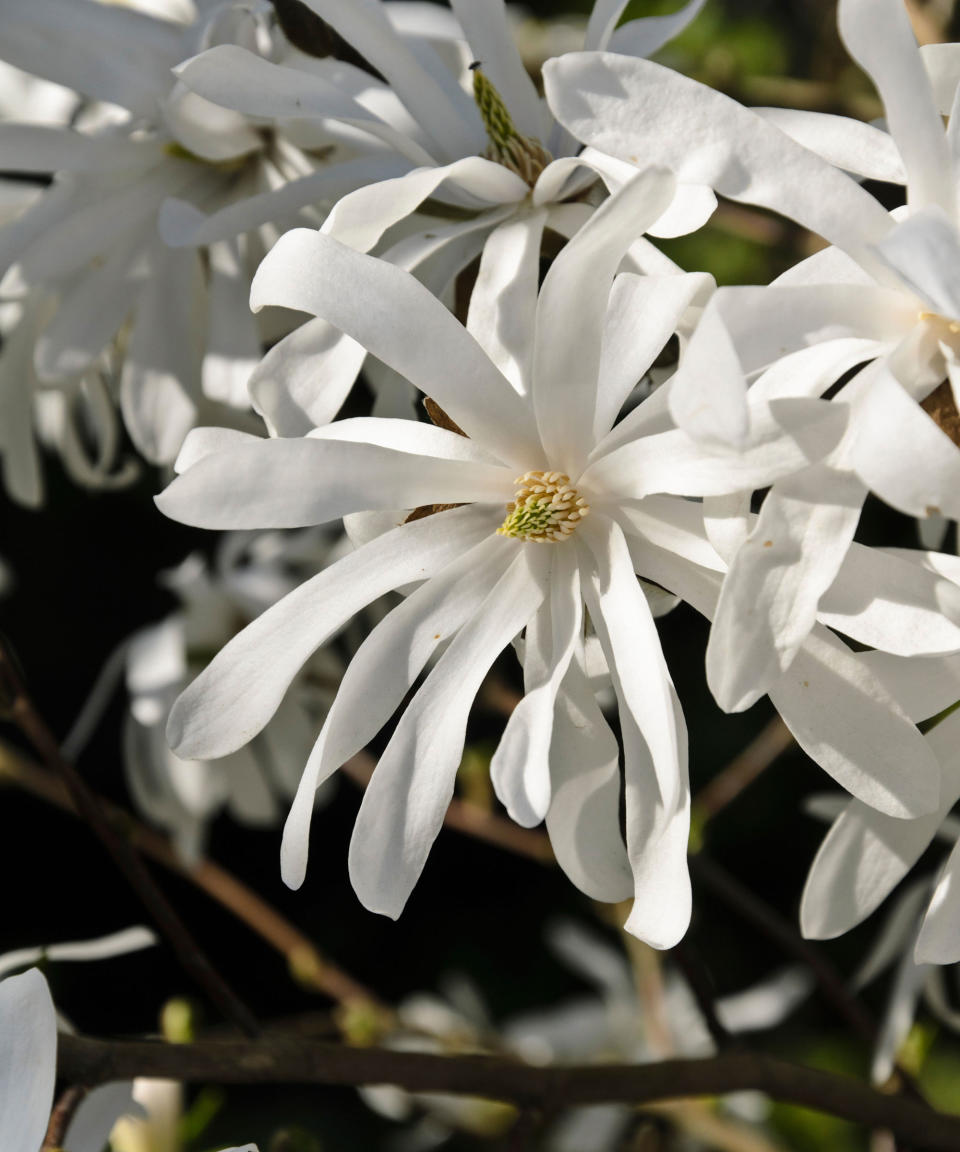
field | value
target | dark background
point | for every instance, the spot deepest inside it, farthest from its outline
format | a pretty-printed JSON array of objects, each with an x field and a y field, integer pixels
[{"x": 86, "y": 578}]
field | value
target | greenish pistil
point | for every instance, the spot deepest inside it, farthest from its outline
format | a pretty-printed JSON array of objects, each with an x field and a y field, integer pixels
[
  {"x": 546, "y": 510},
  {"x": 521, "y": 154}
]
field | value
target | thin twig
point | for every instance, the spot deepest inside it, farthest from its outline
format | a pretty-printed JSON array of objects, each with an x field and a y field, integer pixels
[
  {"x": 63, "y": 1112},
  {"x": 19, "y": 707},
  {"x": 772, "y": 740},
  {"x": 471, "y": 819},
  {"x": 81, "y": 1059},
  {"x": 89, "y": 716},
  {"x": 306, "y": 962}
]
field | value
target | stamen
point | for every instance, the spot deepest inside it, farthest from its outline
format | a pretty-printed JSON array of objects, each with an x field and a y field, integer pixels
[
  {"x": 524, "y": 155},
  {"x": 546, "y": 510}
]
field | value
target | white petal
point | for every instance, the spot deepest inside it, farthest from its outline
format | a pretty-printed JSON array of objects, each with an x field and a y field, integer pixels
[
  {"x": 849, "y": 144},
  {"x": 648, "y": 34},
  {"x": 43, "y": 148},
  {"x": 91, "y": 310},
  {"x": 233, "y": 339},
  {"x": 942, "y": 65},
  {"x": 939, "y": 939},
  {"x": 404, "y": 435},
  {"x": 897, "y": 934},
  {"x": 503, "y": 303},
  {"x": 103, "y": 51},
  {"x": 238, "y": 692},
  {"x": 642, "y": 314},
  {"x": 362, "y": 217},
  {"x": 898, "y": 1019},
  {"x": 878, "y": 35},
  {"x": 99, "y": 1110},
  {"x": 388, "y": 312},
  {"x": 28, "y": 1060},
  {"x": 844, "y": 719},
  {"x": 583, "y": 821},
  {"x": 382, "y": 671},
  {"x": 743, "y": 330},
  {"x": 633, "y": 108},
  {"x": 769, "y": 600},
  {"x": 655, "y": 745},
  {"x": 182, "y": 225},
  {"x": 162, "y": 366},
  {"x": 785, "y": 436},
  {"x": 19, "y": 456},
  {"x": 234, "y": 78},
  {"x": 488, "y": 33},
  {"x": 299, "y": 482},
  {"x": 900, "y": 453},
  {"x": 304, "y": 378},
  {"x": 674, "y": 524},
  {"x": 923, "y": 250},
  {"x": 867, "y": 853},
  {"x": 922, "y": 686},
  {"x": 202, "y": 442},
  {"x": 405, "y": 802},
  {"x": 367, "y": 28},
  {"x": 567, "y": 353},
  {"x": 632, "y": 647},
  {"x": 520, "y": 768},
  {"x": 894, "y": 603}
]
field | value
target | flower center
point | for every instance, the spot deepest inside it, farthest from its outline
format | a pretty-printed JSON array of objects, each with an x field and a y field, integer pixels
[
  {"x": 524, "y": 155},
  {"x": 546, "y": 510}
]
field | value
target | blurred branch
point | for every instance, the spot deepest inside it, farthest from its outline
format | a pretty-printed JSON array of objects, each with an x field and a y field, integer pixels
[
  {"x": 777, "y": 928},
  {"x": 743, "y": 769},
  {"x": 305, "y": 961},
  {"x": 551, "y": 1088},
  {"x": 17, "y": 705}
]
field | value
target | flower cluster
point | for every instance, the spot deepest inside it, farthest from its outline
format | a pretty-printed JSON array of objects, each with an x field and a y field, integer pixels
[{"x": 396, "y": 196}]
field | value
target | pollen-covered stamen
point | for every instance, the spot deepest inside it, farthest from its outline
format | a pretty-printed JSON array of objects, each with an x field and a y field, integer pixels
[
  {"x": 524, "y": 155},
  {"x": 546, "y": 510}
]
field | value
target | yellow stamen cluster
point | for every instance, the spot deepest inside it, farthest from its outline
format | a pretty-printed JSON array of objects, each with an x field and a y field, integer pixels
[
  {"x": 546, "y": 510},
  {"x": 523, "y": 155}
]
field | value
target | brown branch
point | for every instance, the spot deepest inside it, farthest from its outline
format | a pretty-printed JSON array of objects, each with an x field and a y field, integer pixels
[
  {"x": 19, "y": 707},
  {"x": 63, "y": 1112},
  {"x": 549, "y": 1088},
  {"x": 306, "y": 962},
  {"x": 743, "y": 769},
  {"x": 777, "y": 928}
]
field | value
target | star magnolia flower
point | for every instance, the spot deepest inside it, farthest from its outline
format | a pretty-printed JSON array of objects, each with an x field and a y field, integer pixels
[
  {"x": 887, "y": 292},
  {"x": 489, "y": 158},
  {"x": 88, "y": 250},
  {"x": 543, "y": 506},
  {"x": 181, "y": 796}
]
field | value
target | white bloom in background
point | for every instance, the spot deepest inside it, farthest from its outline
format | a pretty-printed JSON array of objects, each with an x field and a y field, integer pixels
[
  {"x": 166, "y": 332},
  {"x": 541, "y": 507},
  {"x": 492, "y": 157},
  {"x": 887, "y": 292},
  {"x": 251, "y": 572}
]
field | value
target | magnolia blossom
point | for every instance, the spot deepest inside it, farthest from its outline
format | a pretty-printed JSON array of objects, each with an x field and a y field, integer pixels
[
  {"x": 250, "y": 574},
  {"x": 885, "y": 293},
  {"x": 108, "y": 306},
  {"x": 531, "y": 504},
  {"x": 494, "y": 159}
]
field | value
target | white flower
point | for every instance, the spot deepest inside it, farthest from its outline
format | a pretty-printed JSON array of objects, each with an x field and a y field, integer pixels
[
  {"x": 494, "y": 159},
  {"x": 886, "y": 292},
  {"x": 108, "y": 297},
  {"x": 251, "y": 573},
  {"x": 570, "y": 363}
]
